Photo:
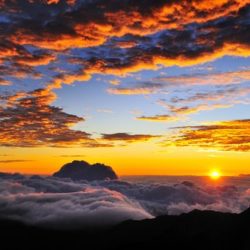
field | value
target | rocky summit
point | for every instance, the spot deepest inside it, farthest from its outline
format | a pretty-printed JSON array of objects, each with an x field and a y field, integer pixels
[{"x": 82, "y": 170}]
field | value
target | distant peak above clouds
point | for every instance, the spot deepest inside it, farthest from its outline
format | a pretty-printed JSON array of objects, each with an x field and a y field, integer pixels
[{"x": 82, "y": 170}]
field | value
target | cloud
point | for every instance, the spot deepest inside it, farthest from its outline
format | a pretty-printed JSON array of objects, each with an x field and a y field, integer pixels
[
  {"x": 114, "y": 82},
  {"x": 122, "y": 37},
  {"x": 144, "y": 89},
  {"x": 191, "y": 45},
  {"x": 158, "y": 198},
  {"x": 177, "y": 112},
  {"x": 157, "y": 118},
  {"x": 180, "y": 107},
  {"x": 28, "y": 120},
  {"x": 111, "y": 21},
  {"x": 67, "y": 78},
  {"x": 229, "y": 94},
  {"x": 14, "y": 161},
  {"x": 128, "y": 137},
  {"x": 222, "y": 78},
  {"x": 35, "y": 59},
  {"x": 226, "y": 135},
  {"x": 63, "y": 203},
  {"x": 186, "y": 110},
  {"x": 4, "y": 82},
  {"x": 159, "y": 84}
]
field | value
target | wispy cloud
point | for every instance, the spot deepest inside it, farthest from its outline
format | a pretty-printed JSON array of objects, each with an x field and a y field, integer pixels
[
  {"x": 128, "y": 137},
  {"x": 158, "y": 118},
  {"x": 28, "y": 120},
  {"x": 14, "y": 161},
  {"x": 226, "y": 135}
]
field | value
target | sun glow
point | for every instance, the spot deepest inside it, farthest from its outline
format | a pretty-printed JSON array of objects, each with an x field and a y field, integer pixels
[{"x": 215, "y": 174}]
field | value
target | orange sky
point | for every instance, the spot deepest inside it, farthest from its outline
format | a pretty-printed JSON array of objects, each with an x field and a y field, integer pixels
[{"x": 137, "y": 159}]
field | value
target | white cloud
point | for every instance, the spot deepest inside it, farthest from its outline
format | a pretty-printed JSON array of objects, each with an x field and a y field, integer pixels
[{"x": 54, "y": 202}]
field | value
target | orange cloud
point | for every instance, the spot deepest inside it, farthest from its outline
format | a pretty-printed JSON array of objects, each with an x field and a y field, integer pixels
[
  {"x": 122, "y": 19},
  {"x": 67, "y": 79},
  {"x": 149, "y": 35},
  {"x": 52, "y": 1},
  {"x": 140, "y": 59},
  {"x": 227, "y": 135},
  {"x": 35, "y": 60},
  {"x": 4, "y": 82},
  {"x": 27, "y": 120},
  {"x": 70, "y": 2}
]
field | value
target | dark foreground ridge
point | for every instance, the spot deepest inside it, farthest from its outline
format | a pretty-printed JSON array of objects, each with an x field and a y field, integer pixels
[
  {"x": 82, "y": 170},
  {"x": 197, "y": 230}
]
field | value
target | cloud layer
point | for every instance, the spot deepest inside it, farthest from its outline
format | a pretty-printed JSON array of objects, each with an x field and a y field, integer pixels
[
  {"x": 116, "y": 38},
  {"x": 227, "y": 135},
  {"x": 52, "y": 202}
]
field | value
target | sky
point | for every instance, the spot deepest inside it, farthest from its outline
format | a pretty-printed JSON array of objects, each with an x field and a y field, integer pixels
[{"x": 149, "y": 87}]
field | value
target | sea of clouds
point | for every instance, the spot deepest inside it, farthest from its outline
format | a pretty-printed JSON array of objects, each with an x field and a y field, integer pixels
[{"x": 63, "y": 203}]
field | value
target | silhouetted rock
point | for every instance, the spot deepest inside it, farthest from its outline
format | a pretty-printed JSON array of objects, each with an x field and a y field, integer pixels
[{"x": 82, "y": 170}]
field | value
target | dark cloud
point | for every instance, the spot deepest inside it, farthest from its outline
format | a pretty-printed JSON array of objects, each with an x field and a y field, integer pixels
[
  {"x": 127, "y": 36},
  {"x": 195, "y": 44},
  {"x": 128, "y": 137},
  {"x": 157, "y": 118}
]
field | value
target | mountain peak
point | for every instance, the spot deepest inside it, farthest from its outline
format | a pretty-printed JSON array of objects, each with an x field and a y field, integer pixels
[{"x": 82, "y": 170}]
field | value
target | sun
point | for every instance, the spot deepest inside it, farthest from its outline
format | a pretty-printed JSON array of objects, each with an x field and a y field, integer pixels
[{"x": 215, "y": 174}]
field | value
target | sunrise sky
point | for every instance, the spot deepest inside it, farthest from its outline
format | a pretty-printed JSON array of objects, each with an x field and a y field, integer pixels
[{"x": 149, "y": 87}]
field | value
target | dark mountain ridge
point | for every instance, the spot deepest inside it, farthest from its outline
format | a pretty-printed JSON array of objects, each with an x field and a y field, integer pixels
[{"x": 206, "y": 230}]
